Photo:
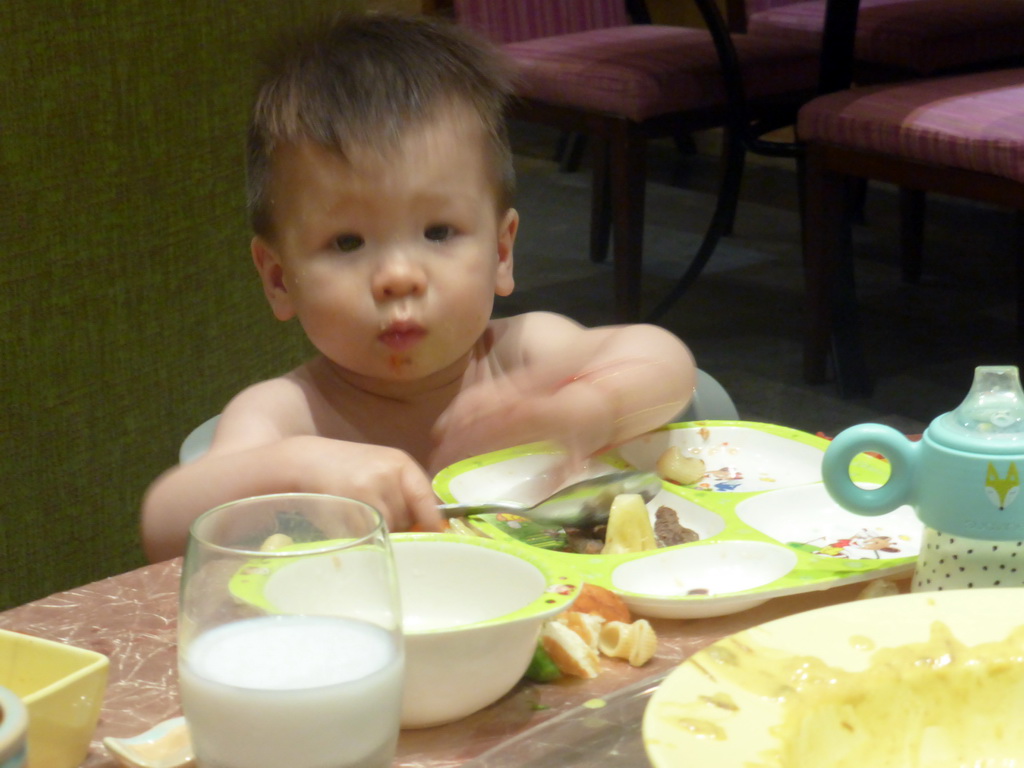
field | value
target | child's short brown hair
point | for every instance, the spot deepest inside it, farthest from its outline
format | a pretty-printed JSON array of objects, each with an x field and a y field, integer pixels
[{"x": 362, "y": 81}]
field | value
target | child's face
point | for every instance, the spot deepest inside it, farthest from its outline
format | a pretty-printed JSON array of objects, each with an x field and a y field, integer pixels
[{"x": 390, "y": 263}]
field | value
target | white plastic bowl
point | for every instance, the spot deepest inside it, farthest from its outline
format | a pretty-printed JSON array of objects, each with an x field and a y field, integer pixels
[{"x": 472, "y": 609}]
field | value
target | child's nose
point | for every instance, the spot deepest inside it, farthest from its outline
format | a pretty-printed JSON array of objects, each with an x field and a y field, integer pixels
[{"x": 398, "y": 278}]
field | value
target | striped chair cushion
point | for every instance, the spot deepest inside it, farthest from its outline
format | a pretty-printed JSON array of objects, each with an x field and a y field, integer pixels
[
  {"x": 510, "y": 22},
  {"x": 923, "y": 36},
  {"x": 972, "y": 121},
  {"x": 645, "y": 70}
]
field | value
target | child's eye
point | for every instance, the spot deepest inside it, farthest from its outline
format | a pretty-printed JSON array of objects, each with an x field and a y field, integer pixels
[
  {"x": 439, "y": 233},
  {"x": 348, "y": 243}
]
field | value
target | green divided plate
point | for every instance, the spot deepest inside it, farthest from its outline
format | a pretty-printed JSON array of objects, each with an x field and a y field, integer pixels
[{"x": 766, "y": 525}]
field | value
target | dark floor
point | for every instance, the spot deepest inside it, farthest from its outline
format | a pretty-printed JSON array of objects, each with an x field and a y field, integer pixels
[{"x": 743, "y": 317}]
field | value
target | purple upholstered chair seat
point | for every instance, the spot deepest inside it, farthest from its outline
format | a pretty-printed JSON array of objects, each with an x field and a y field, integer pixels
[
  {"x": 975, "y": 122},
  {"x": 642, "y": 71},
  {"x": 923, "y": 36},
  {"x": 509, "y": 22}
]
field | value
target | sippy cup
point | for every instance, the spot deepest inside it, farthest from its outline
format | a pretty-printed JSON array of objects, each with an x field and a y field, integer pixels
[{"x": 962, "y": 479}]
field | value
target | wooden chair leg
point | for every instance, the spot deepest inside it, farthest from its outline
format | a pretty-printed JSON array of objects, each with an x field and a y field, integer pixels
[
  {"x": 685, "y": 143},
  {"x": 912, "y": 212},
  {"x": 571, "y": 146},
  {"x": 600, "y": 201},
  {"x": 628, "y": 173},
  {"x": 852, "y": 378},
  {"x": 822, "y": 209},
  {"x": 831, "y": 326},
  {"x": 859, "y": 201}
]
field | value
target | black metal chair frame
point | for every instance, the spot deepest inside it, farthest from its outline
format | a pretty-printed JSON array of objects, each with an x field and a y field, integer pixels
[{"x": 743, "y": 133}]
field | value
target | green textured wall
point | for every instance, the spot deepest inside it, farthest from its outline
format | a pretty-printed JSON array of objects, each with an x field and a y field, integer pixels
[{"x": 129, "y": 309}]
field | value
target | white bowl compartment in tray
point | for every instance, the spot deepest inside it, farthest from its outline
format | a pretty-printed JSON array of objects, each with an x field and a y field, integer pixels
[
  {"x": 652, "y": 585},
  {"x": 737, "y": 459},
  {"x": 808, "y": 519}
]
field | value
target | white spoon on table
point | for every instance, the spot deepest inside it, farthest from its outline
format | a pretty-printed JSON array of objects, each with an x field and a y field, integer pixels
[{"x": 165, "y": 745}]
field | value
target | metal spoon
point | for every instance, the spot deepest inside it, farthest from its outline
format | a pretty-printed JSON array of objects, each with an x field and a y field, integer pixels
[{"x": 579, "y": 505}]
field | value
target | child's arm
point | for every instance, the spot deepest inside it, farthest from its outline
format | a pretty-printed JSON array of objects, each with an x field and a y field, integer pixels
[
  {"x": 588, "y": 389},
  {"x": 247, "y": 458}
]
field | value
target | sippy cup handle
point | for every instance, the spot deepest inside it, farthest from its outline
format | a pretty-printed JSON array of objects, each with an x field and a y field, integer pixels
[{"x": 902, "y": 456}]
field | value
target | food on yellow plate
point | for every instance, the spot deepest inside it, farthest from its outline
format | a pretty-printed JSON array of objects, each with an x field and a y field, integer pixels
[
  {"x": 676, "y": 467},
  {"x": 603, "y": 602},
  {"x": 634, "y": 642},
  {"x": 939, "y": 703},
  {"x": 934, "y": 704},
  {"x": 629, "y": 526},
  {"x": 569, "y": 651}
]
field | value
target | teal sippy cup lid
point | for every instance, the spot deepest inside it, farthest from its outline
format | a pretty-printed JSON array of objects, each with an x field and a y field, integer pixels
[{"x": 991, "y": 417}]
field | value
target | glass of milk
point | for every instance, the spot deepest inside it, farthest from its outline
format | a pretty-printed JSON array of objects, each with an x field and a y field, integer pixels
[{"x": 290, "y": 636}]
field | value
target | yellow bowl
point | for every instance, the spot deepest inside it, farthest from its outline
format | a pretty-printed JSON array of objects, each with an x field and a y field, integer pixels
[{"x": 62, "y": 687}]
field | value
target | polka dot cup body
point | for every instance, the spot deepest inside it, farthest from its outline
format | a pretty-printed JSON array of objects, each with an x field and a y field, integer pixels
[{"x": 958, "y": 562}]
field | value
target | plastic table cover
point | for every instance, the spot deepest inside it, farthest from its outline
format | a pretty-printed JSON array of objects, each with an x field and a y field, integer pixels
[{"x": 132, "y": 619}]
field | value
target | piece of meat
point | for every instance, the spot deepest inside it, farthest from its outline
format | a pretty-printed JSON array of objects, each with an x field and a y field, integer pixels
[
  {"x": 668, "y": 529},
  {"x": 586, "y": 541}
]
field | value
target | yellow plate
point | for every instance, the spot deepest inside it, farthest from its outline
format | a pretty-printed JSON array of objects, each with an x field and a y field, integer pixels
[{"x": 721, "y": 707}]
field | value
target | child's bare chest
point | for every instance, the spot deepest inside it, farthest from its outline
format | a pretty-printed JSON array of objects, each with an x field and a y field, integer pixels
[{"x": 403, "y": 425}]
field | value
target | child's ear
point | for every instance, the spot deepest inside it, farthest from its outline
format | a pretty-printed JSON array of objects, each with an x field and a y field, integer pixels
[
  {"x": 268, "y": 264},
  {"x": 506, "y": 240}
]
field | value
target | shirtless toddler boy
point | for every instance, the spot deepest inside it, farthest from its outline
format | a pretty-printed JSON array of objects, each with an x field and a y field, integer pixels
[{"x": 380, "y": 187}]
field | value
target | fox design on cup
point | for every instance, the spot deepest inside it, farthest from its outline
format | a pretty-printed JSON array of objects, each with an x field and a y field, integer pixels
[
  {"x": 949, "y": 561},
  {"x": 1002, "y": 491}
]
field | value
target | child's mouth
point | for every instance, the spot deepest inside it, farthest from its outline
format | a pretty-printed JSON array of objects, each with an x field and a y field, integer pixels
[{"x": 402, "y": 336}]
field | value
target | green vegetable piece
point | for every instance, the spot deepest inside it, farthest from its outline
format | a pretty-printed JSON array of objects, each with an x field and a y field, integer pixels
[{"x": 542, "y": 669}]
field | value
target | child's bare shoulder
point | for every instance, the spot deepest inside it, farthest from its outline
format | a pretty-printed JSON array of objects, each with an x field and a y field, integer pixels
[
  {"x": 272, "y": 408},
  {"x": 535, "y": 334},
  {"x": 280, "y": 393}
]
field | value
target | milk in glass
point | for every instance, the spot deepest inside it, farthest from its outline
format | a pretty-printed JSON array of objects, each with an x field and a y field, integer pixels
[{"x": 254, "y": 689}]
